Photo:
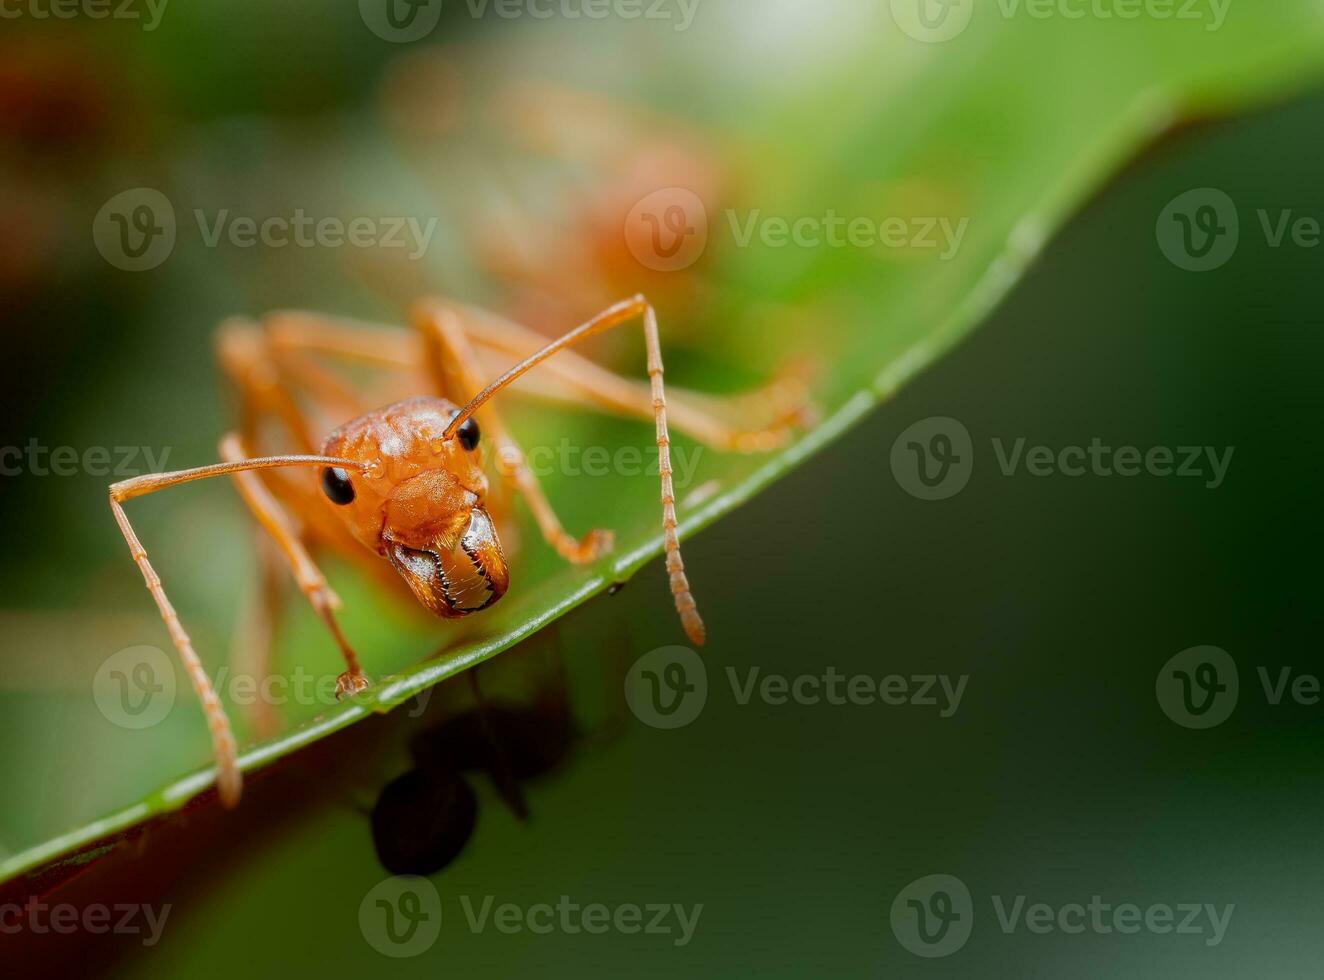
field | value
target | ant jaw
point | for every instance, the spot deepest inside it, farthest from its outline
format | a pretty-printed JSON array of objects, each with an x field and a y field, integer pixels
[{"x": 455, "y": 579}]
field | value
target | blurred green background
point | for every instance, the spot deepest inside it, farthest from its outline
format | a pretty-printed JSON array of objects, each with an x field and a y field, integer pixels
[{"x": 1059, "y": 778}]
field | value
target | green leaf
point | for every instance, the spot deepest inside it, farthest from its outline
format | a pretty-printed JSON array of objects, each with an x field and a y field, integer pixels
[{"x": 1006, "y": 127}]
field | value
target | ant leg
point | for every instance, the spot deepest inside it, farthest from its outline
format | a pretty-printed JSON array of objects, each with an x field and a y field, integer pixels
[
  {"x": 614, "y": 316},
  {"x": 720, "y": 421},
  {"x": 312, "y": 583},
  {"x": 268, "y": 380},
  {"x": 453, "y": 365},
  {"x": 229, "y": 782},
  {"x": 371, "y": 344},
  {"x": 266, "y": 374},
  {"x": 266, "y": 377},
  {"x": 254, "y": 635},
  {"x": 757, "y": 421},
  {"x": 242, "y": 355}
]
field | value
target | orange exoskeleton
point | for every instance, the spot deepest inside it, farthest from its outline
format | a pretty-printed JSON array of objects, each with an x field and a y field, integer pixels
[{"x": 406, "y": 483}]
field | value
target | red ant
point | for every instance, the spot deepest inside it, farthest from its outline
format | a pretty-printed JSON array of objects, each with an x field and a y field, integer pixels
[{"x": 405, "y": 482}]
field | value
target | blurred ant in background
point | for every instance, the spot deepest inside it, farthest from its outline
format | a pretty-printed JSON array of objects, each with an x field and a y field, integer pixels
[
  {"x": 564, "y": 190},
  {"x": 551, "y": 173}
]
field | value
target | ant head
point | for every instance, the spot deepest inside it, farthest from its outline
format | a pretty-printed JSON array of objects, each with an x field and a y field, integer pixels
[{"x": 418, "y": 502}]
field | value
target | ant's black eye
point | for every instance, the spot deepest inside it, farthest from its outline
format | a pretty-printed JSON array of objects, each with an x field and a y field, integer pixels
[
  {"x": 468, "y": 432},
  {"x": 336, "y": 486}
]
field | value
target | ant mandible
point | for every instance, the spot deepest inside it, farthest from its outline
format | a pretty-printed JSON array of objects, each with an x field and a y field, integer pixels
[{"x": 405, "y": 482}]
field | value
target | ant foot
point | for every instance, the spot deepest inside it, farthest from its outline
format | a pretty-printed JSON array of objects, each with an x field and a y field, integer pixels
[
  {"x": 350, "y": 683},
  {"x": 792, "y": 419},
  {"x": 802, "y": 418},
  {"x": 592, "y": 546}
]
